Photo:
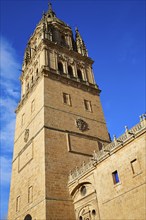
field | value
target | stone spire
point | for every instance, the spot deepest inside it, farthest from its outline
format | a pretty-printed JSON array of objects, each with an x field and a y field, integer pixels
[
  {"x": 50, "y": 12},
  {"x": 50, "y": 5},
  {"x": 81, "y": 47}
]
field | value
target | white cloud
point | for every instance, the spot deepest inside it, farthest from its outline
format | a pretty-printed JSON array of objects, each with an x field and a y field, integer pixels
[
  {"x": 8, "y": 103},
  {"x": 9, "y": 94},
  {"x": 7, "y": 137},
  {"x": 5, "y": 173},
  {"x": 10, "y": 90},
  {"x": 5, "y": 170},
  {"x": 9, "y": 63}
]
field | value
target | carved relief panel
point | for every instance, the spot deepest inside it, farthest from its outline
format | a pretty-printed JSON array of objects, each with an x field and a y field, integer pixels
[{"x": 85, "y": 202}]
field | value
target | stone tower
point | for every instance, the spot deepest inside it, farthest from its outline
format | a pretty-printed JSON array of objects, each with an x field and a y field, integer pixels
[{"x": 59, "y": 121}]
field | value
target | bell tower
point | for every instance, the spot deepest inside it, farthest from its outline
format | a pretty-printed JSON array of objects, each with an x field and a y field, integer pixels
[{"x": 59, "y": 121}]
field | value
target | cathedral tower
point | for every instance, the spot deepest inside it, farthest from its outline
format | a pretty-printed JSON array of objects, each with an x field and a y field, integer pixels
[{"x": 59, "y": 121}]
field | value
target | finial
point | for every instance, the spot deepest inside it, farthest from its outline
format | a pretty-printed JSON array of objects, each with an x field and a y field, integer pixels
[
  {"x": 50, "y": 6},
  {"x": 44, "y": 15},
  {"x": 50, "y": 12},
  {"x": 140, "y": 117},
  {"x": 115, "y": 138},
  {"x": 126, "y": 128},
  {"x": 76, "y": 29},
  {"x": 94, "y": 154},
  {"x": 83, "y": 164}
]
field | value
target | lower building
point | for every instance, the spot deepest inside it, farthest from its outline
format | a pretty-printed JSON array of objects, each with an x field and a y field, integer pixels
[{"x": 112, "y": 185}]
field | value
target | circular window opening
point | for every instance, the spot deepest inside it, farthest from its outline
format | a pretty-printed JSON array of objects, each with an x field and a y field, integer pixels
[
  {"x": 80, "y": 218},
  {"x": 83, "y": 190},
  {"x": 93, "y": 212}
]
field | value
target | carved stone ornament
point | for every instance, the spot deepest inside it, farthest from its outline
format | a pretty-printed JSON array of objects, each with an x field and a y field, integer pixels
[
  {"x": 82, "y": 125},
  {"x": 26, "y": 135}
]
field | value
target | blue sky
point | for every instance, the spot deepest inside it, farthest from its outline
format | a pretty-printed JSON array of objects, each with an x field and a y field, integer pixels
[{"x": 114, "y": 33}]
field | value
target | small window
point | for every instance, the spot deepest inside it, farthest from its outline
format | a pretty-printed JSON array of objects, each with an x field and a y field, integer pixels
[
  {"x": 135, "y": 166},
  {"x": 18, "y": 204},
  {"x": 66, "y": 99},
  {"x": 60, "y": 68},
  {"x": 87, "y": 105},
  {"x": 30, "y": 194},
  {"x": 79, "y": 73},
  {"x": 115, "y": 177},
  {"x": 33, "y": 106},
  {"x": 23, "y": 119}
]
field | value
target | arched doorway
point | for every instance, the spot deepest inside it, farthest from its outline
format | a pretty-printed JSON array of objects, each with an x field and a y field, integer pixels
[{"x": 28, "y": 217}]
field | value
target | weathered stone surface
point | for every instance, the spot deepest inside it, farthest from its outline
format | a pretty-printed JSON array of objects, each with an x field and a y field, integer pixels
[{"x": 48, "y": 143}]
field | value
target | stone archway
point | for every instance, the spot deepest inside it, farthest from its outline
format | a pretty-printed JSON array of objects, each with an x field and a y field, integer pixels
[{"x": 28, "y": 217}]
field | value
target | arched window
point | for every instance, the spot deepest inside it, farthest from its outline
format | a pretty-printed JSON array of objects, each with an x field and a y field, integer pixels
[
  {"x": 79, "y": 74},
  {"x": 60, "y": 67},
  {"x": 28, "y": 217},
  {"x": 70, "y": 71},
  {"x": 63, "y": 43}
]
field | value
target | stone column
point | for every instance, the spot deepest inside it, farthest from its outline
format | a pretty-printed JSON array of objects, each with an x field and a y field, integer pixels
[
  {"x": 92, "y": 75},
  {"x": 46, "y": 56},
  {"x": 75, "y": 69},
  {"x": 84, "y": 74},
  {"x": 65, "y": 66},
  {"x": 56, "y": 60}
]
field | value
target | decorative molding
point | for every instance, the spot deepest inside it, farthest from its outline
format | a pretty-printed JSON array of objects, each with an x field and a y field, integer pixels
[{"x": 82, "y": 125}]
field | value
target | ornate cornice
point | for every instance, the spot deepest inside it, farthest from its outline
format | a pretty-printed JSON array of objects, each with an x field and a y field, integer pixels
[{"x": 72, "y": 81}]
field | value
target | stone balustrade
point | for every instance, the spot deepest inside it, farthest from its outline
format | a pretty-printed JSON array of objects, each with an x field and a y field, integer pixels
[{"x": 108, "y": 149}]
